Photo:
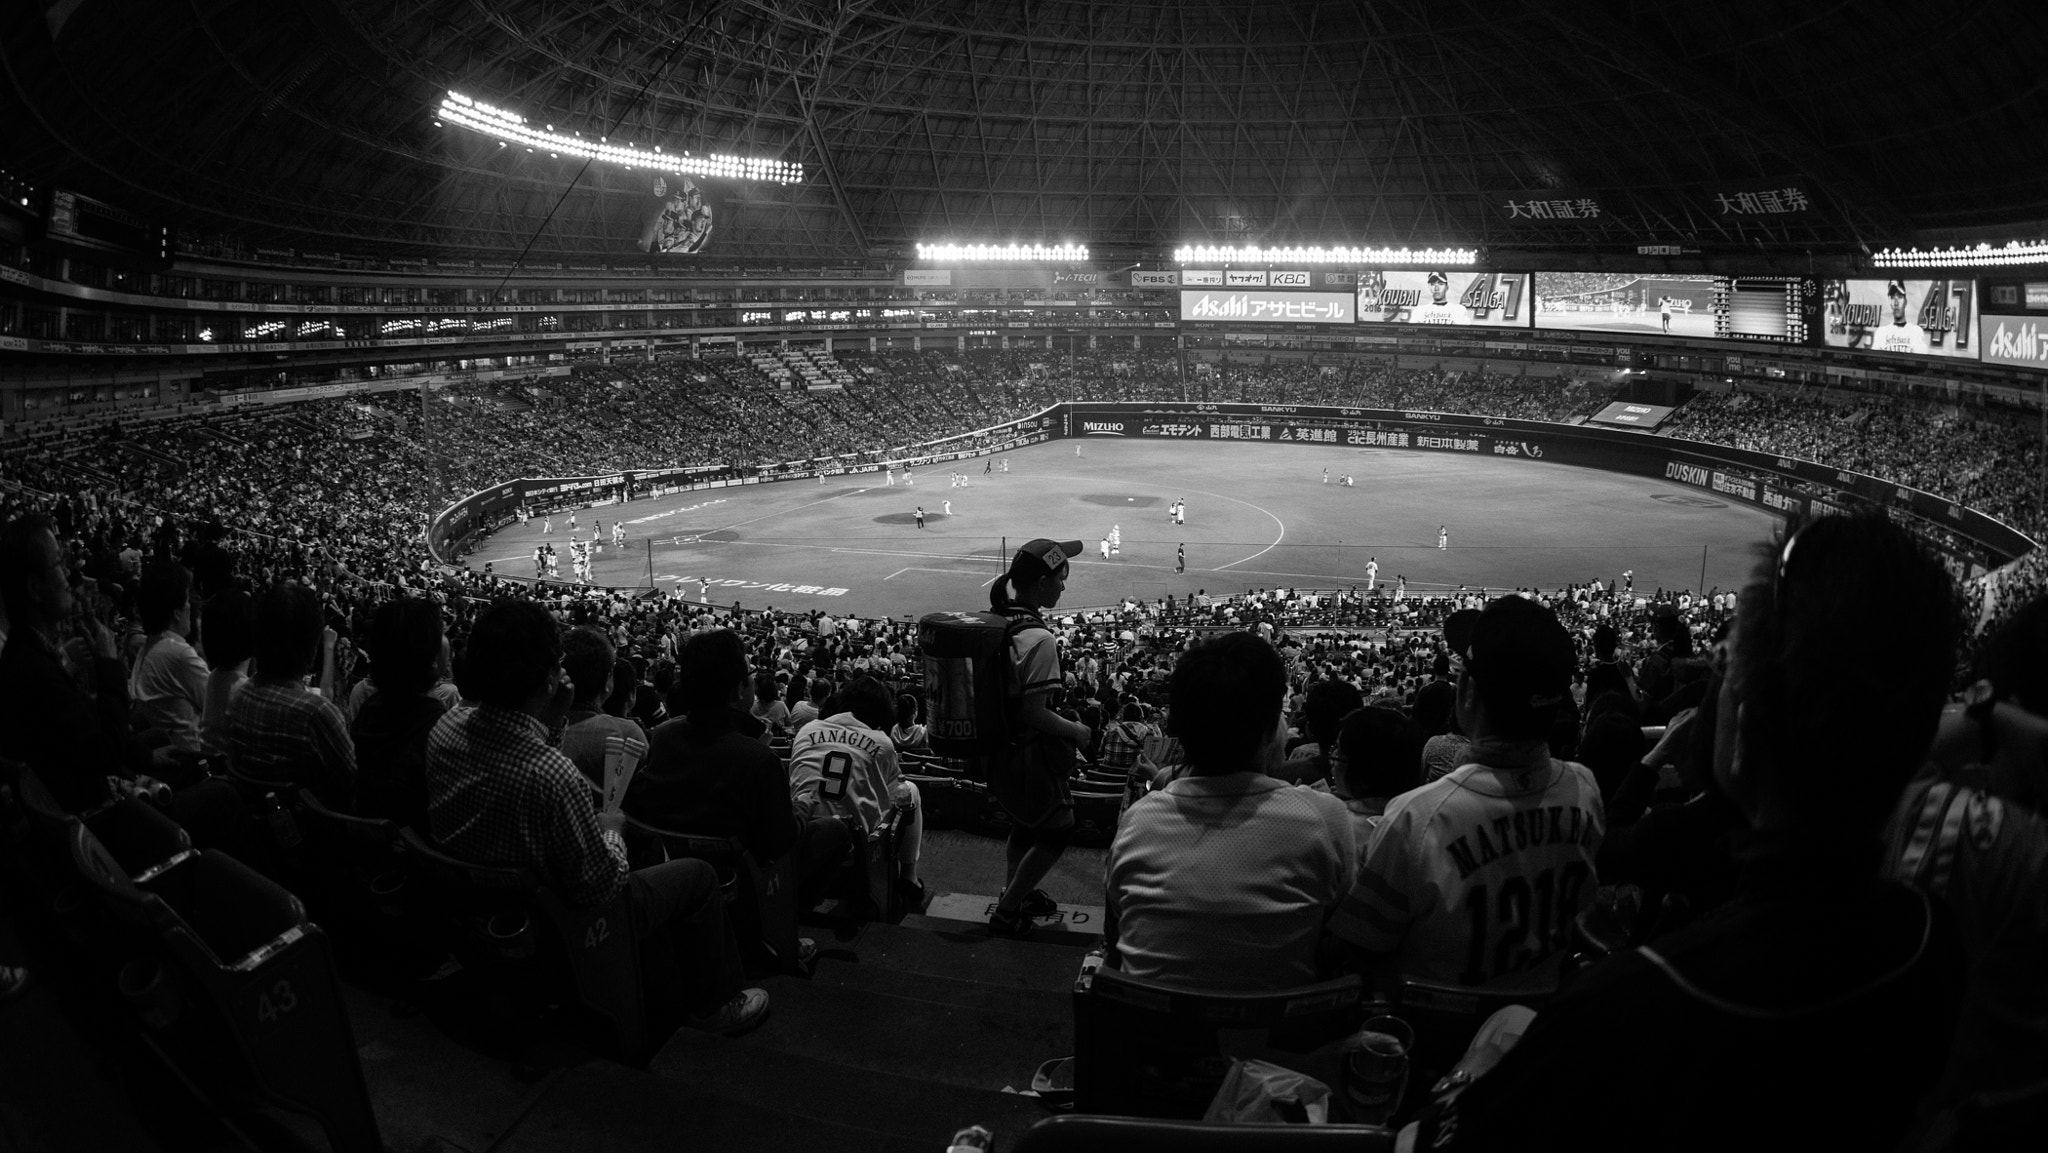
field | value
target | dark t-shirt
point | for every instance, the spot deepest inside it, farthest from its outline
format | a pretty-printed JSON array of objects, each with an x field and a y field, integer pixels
[
  {"x": 716, "y": 779},
  {"x": 390, "y": 735},
  {"x": 1800, "y": 1016}
]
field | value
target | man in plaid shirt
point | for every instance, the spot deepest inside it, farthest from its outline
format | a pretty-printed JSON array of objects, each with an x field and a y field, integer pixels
[
  {"x": 1124, "y": 741},
  {"x": 500, "y": 793}
]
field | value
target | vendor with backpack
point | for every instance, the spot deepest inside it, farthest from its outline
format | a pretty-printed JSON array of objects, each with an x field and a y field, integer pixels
[{"x": 1030, "y": 775}]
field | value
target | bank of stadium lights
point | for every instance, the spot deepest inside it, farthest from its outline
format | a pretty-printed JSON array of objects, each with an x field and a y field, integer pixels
[
  {"x": 510, "y": 127},
  {"x": 1982, "y": 256},
  {"x": 1366, "y": 257},
  {"x": 1048, "y": 253}
]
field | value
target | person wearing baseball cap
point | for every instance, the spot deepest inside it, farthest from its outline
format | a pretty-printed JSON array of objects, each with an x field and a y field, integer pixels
[
  {"x": 1438, "y": 310},
  {"x": 1030, "y": 777},
  {"x": 1509, "y": 820}
]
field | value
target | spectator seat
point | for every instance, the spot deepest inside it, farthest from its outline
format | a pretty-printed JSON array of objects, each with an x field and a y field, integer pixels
[
  {"x": 1084, "y": 1133},
  {"x": 762, "y": 898},
  {"x": 1149, "y": 1049},
  {"x": 234, "y": 989},
  {"x": 533, "y": 945}
]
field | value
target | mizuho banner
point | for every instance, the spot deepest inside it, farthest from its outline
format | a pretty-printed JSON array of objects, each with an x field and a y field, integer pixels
[{"x": 1267, "y": 307}]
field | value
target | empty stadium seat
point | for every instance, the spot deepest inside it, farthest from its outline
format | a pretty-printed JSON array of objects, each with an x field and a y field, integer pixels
[
  {"x": 533, "y": 945},
  {"x": 365, "y": 881},
  {"x": 141, "y": 838},
  {"x": 1446, "y": 1016},
  {"x": 234, "y": 989},
  {"x": 763, "y": 897},
  {"x": 1095, "y": 815},
  {"x": 1149, "y": 1049}
]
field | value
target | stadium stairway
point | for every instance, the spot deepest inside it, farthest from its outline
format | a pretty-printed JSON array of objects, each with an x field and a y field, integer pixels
[{"x": 904, "y": 1034}]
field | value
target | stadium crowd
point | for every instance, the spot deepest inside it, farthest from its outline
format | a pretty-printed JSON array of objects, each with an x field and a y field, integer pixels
[{"x": 1660, "y": 764}]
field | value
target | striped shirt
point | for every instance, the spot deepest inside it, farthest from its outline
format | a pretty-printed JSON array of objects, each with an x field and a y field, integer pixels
[{"x": 499, "y": 794}]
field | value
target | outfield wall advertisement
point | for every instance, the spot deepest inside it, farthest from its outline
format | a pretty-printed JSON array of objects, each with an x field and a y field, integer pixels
[{"x": 1783, "y": 485}]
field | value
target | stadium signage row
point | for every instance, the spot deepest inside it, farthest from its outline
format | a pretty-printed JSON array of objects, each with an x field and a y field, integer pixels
[{"x": 1783, "y": 485}]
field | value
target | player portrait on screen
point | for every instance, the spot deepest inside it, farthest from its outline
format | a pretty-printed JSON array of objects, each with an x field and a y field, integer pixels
[
  {"x": 1438, "y": 310},
  {"x": 1917, "y": 317},
  {"x": 1417, "y": 297},
  {"x": 1901, "y": 335},
  {"x": 681, "y": 220}
]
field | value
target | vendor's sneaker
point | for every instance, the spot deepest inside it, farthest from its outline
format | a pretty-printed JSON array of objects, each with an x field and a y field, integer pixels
[
  {"x": 911, "y": 894},
  {"x": 1018, "y": 924},
  {"x": 1037, "y": 903},
  {"x": 748, "y": 1008}
]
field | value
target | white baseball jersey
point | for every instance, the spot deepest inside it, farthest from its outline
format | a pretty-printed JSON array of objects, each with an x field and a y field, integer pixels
[
  {"x": 1478, "y": 876},
  {"x": 1899, "y": 338},
  {"x": 1434, "y": 314},
  {"x": 848, "y": 767}
]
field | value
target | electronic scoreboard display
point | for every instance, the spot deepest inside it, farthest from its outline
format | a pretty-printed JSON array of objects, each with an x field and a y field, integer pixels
[{"x": 1464, "y": 298}]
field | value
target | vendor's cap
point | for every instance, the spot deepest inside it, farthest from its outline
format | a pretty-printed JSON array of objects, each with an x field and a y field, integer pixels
[
  {"x": 1048, "y": 555},
  {"x": 1520, "y": 653}
]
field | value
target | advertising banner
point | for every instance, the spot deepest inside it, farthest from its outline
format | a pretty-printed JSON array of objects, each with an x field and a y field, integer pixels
[
  {"x": 1490, "y": 299},
  {"x": 2021, "y": 341},
  {"x": 1212, "y": 276},
  {"x": 1268, "y": 307},
  {"x": 1917, "y": 317},
  {"x": 927, "y": 276},
  {"x": 1155, "y": 279}
]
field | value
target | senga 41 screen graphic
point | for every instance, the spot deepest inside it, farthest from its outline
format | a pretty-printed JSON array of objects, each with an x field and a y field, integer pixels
[{"x": 1489, "y": 299}]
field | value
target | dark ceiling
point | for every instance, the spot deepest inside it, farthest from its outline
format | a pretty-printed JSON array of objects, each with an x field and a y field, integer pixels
[{"x": 1131, "y": 126}]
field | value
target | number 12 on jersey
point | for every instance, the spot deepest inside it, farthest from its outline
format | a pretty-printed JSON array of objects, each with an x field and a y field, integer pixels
[{"x": 1520, "y": 923}]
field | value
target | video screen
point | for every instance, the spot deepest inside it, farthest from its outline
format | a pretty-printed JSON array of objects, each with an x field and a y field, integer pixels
[
  {"x": 1760, "y": 308},
  {"x": 1489, "y": 299},
  {"x": 1626, "y": 302},
  {"x": 1916, "y": 317}
]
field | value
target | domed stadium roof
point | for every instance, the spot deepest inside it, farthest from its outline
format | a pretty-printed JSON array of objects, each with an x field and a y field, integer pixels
[{"x": 1130, "y": 126}]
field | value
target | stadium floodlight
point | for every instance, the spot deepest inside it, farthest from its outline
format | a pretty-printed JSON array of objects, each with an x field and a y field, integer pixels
[
  {"x": 1049, "y": 253},
  {"x": 505, "y": 126},
  {"x": 1321, "y": 254},
  {"x": 1982, "y": 256}
]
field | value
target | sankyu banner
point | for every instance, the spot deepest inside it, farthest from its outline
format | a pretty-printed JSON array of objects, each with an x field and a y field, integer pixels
[
  {"x": 1267, "y": 307},
  {"x": 1491, "y": 299},
  {"x": 1782, "y": 484},
  {"x": 1916, "y": 317},
  {"x": 2021, "y": 341}
]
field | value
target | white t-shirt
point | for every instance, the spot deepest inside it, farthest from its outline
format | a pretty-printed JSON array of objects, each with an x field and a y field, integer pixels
[{"x": 1223, "y": 882}]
